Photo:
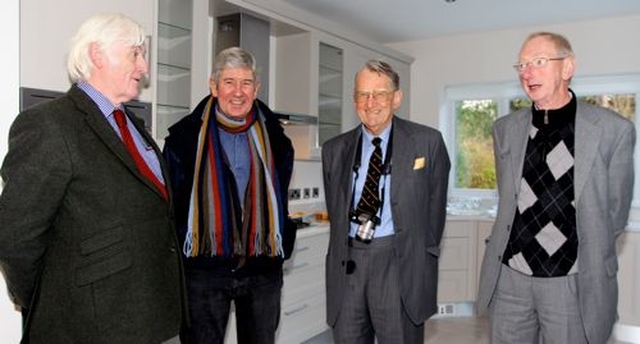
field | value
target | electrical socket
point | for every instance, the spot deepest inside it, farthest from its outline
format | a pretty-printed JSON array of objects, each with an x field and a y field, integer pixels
[
  {"x": 306, "y": 193},
  {"x": 315, "y": 192},
  {"x": 294, "y": 193}
]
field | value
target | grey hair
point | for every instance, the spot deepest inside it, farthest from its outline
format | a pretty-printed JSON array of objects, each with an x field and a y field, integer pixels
[
  {"x": 563, "y": 47},
  {"x": 233, "y": 57},
  {"x": 382, "y": 68},
  {"x": 106, "y": 30}
]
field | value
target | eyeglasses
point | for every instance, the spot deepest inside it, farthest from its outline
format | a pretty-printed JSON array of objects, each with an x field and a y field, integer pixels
[
  {"x": 537, "y": 62},
  {"x": 379, "y": 96}
]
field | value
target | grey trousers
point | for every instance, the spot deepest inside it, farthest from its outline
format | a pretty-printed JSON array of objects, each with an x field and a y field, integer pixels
[
  {"x": 372, "y": 308},
  {"x": 532, "y": 310}
]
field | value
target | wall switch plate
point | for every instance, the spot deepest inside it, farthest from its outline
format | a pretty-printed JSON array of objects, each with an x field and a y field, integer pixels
[
  {"x": 315, "y": 192},
  {"x": 306, "y": 193},
  {"x": 294, "y": 193}
]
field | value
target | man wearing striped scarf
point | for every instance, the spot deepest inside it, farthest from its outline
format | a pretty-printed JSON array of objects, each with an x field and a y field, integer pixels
[{"x": 230, "y": 165}]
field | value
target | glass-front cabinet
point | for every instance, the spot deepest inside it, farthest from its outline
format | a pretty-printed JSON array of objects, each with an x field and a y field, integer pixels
[
  {"x": 330, "y": 92},
  {"x": 173, "y": 63}
]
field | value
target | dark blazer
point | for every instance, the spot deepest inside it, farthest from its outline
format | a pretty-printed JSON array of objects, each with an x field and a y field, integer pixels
[
  {"x": 419, "y": 177},
  {"x": 180, "y": 150},
  {"x": 86, "y": 242},
  {"x": 603, "y": 186}
]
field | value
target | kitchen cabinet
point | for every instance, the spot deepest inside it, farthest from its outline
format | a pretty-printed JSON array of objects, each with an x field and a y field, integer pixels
[
  {"x": 628, "y": 248},
  {"x": 457, "y": 266},
  {"x": 303, "y": 294},
  {"x": 330, "y": 85},
  {"x": 314, "y": 75},
  {"x": 173, "y": 63},
  {"x": 303, "y": 313}
]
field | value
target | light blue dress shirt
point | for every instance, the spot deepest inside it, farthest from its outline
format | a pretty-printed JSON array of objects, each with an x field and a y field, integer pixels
[
  {"x": 107, "y": 108},
  {"x": 385, "y": 228}
]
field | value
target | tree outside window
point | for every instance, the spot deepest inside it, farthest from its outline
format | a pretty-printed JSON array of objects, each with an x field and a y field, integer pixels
[{"x": 474, "y": 144}]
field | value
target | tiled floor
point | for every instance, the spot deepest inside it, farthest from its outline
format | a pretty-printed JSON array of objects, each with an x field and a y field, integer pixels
[{"x": 462, "y": 330}]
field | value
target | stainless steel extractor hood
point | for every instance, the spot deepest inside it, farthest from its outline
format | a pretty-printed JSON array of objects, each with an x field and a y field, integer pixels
[{"x": 288, "y": 118}]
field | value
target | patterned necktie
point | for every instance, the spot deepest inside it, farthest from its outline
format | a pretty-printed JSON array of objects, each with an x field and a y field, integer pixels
[
  {"x": 370, "y": 199},
  {"x": 143, "y": 168}
]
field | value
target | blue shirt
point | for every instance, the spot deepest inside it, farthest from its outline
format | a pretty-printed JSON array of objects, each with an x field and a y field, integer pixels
[
  {"x": 107, "y": 108},
  {"x": 385, "y": 228},
  {"x": 236, "y": 148}
]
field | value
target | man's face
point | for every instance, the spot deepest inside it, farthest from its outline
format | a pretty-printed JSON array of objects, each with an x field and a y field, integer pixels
[
  {"x": 545, "y": 84},
  {"x": 123, "y": 72},
  {"x": 375, "y": 100},
  {"x": 236, "y": 90}
]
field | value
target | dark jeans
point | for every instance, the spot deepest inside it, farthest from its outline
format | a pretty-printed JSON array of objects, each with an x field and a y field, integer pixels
[{"x": 257, "y": 303}]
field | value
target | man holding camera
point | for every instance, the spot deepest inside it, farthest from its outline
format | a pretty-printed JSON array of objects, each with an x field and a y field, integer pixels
[{"x": 386, "y": 192}]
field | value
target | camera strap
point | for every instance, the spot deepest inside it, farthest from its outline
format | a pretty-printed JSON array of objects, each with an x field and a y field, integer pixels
[{"x": 386, "y": 171}]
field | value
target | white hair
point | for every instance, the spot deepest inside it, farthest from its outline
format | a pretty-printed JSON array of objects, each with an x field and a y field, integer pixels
[{"x": 105, "y": 30}]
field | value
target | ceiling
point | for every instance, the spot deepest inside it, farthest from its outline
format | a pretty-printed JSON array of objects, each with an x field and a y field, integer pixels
[{"x": 387, "y": 21}]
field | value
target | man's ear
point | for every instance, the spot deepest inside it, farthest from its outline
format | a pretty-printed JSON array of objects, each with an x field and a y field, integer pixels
[
  {"x": 568, "y": 67},
  {"x": 96, "y": 55},
  {"x": 213, "y": 88}
]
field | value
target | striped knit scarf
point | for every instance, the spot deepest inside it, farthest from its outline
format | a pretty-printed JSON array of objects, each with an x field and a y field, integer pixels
[{"x": 216, "y": 226}]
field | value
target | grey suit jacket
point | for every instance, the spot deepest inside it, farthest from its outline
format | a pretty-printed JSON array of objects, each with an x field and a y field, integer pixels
[
  {"x": 86, "y": 242},
  {"x": 603, "y": 186},
  {"x": 419, "y": 177}
]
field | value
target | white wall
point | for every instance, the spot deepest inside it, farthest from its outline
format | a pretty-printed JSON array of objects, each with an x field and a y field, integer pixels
[
  {"x": 605, "y": 46},
  {"x": 46, "y": 28},
  {"x": 10, "y": 320}
]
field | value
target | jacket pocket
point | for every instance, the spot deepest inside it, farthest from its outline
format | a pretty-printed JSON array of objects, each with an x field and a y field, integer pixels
[
  {"x": 106, "y": 238},
  {"x": 102, "y": 255},
  {"x": 103, "y": 268},
  {"x": 434, "y": 251}
]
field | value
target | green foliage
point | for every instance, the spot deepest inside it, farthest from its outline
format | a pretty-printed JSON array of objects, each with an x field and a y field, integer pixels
[{"x": 474, "y": 153}]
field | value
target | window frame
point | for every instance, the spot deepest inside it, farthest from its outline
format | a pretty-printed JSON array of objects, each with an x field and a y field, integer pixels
[{"x": 504, "y": 92}]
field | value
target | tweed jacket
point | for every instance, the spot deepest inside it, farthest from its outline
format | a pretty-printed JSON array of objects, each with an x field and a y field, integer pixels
[{"x": 87, "y": 244}]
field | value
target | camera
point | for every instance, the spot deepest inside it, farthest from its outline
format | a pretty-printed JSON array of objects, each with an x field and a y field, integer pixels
[{"x": 366, "y": 226}]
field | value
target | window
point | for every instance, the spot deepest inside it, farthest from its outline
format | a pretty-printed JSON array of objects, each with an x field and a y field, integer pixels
[
  {"x": 474, "y": 146},
  {"x": 469, "y": 111}
]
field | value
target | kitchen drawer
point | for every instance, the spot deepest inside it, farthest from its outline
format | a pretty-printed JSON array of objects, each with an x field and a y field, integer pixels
[
  {"x": 302, "y": 320},
  {"x": 304, "y": 283},
  {"x": 310, "y": 246}
]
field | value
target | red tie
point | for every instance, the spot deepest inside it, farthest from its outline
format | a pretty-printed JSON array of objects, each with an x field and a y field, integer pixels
[{"x": 121, "y": 120}]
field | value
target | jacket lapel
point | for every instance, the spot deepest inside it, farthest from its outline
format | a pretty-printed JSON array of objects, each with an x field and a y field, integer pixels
[
  {"x": 96, "y": 121},
  {"x": 519, "y": 136},
  {"x": 587, "y": 139},
  {"x": 402, "y": 158},
  {"x": 347, "y": 157}
]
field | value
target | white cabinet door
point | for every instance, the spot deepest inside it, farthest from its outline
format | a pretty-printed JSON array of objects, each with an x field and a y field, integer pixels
[{"x": 457, "y": 266}]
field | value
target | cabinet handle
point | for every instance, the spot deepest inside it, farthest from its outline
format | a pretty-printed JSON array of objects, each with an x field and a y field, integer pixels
[
  {"x": 296, "y": 310},
  {"x": 303, "y": 248},
  {"x": 299, "y": 266}
]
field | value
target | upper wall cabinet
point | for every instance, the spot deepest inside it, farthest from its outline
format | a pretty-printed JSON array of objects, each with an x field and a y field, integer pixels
[
  {"x": 173, "y": 63},
  {"x": 330, "y": 95},
  {"x": 314, "y": 74}
]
